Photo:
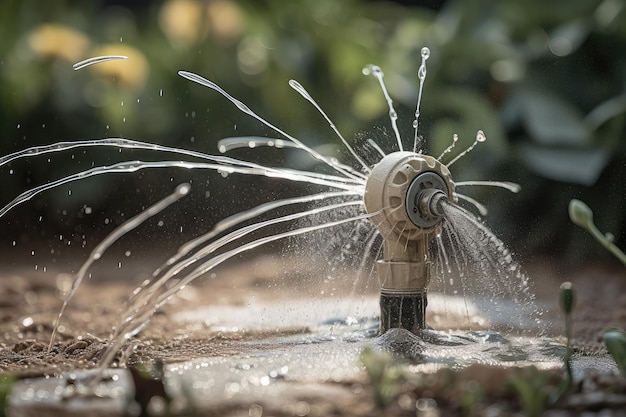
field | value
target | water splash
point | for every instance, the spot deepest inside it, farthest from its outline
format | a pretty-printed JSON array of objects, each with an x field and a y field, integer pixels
[
  {"x": 421, "y": 75},
  {"x": 298, "y": 87},
  {"x": 97, "y": 60},
  {"x": 480, "y": 137},
  {"x": 393, "y": 115},
  {"x": 482, "y": 254},
  {"x": 180, "y": 192}
]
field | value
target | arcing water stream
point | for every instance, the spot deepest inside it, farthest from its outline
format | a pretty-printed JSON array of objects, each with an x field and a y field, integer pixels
[{"x": 453, "y": 249}]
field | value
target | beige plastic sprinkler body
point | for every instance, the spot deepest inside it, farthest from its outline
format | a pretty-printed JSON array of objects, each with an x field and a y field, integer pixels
[{"x": 406, "y": 192}]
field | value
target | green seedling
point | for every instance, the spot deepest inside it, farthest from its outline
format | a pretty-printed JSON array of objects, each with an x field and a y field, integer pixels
[
  {"x": 582, "y": 216},
  {"x": 148, "y": 383},
  {"x": 567, "y": 301},
  {"x": 472, "y": 396},
  {"x": 385, "y": 375},
  {"x": 533, "y": 390},
  {"x": 6, "y": 386},
  {"x": 615, "y": 341}
]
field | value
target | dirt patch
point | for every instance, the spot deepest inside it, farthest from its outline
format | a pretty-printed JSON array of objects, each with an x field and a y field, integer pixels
[{"x": 30, "y": 301}]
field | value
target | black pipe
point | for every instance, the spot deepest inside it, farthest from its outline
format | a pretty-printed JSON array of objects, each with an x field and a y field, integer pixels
[{"x": 407, "y": 311}]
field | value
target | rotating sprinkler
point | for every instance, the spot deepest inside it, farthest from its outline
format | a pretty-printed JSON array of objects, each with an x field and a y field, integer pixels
[{"x": 406, "y": 192}]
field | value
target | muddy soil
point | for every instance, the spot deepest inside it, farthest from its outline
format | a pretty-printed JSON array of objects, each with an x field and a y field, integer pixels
[{"x": 30, "y": 301}]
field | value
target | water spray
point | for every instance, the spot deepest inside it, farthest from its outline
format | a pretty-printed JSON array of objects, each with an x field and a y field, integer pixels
[
  {"x": 406, "y": 192},
  {"x": 405, "y": 196}
]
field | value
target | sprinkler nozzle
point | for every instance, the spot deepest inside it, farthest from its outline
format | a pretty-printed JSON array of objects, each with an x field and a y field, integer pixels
[{"x": 430, "y": 202}]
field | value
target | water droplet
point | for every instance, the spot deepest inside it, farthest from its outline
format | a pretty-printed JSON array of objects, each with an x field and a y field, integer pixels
[
  {"x": 480, "y": 136},
  {"x": 425, "y": 52},
  {"x": 183, "y": 189},
  {"x": 161, "y": 92},
  {"x": 421, "y": 73}
]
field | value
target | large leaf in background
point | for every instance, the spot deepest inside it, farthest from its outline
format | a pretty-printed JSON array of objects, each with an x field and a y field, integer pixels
[
  {"x": 464, "y": 112},
  {"x": 551, "y": 120},
  {"x": 582, "y": 166}
]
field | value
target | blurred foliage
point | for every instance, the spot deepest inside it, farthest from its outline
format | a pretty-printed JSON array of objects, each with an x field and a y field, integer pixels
[{"x": 546, "y": 81}]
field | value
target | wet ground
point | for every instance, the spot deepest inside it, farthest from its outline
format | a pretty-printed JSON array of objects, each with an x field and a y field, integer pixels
[{"x": 238, "y": 344}]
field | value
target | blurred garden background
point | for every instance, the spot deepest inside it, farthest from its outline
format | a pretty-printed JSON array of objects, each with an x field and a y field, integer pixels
[{"x": 545, "y": 81}]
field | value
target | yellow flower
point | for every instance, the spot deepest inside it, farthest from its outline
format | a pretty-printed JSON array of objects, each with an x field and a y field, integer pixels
[
  {"x": 182, "y": 22},
  {"x": 186, "y": 22},
  {"x": 133, "y": 72},
  {"x": 226, "y": 20},
  {"x": 57, "y": 41}
]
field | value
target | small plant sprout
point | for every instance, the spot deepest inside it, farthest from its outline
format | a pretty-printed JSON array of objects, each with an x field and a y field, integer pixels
[
  {"x": 581, "y": 214},
  {"x": 615, "y": 341},
  {"x": 567, "y": 301},
  {"x": 385, "y": 375},
  {"x": 533, "y": 389},
  {"x": 6, "y": 386}
]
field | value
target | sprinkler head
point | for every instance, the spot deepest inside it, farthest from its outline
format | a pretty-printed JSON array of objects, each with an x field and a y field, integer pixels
[{"x": 406, "y": 193}]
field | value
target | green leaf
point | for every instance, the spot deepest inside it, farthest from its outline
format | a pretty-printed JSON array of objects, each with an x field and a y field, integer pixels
[
  {"x": 581, "y": 166},
  {"x": 553, "y": 121}
]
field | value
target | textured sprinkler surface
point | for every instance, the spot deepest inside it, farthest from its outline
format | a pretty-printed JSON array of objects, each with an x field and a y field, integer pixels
[{"x": 241, "y": 345}]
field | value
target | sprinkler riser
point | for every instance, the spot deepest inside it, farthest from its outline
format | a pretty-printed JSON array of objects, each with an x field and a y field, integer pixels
[
  {"x": 405, "y": 191},
  {"x": 403, "y": 311}
]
